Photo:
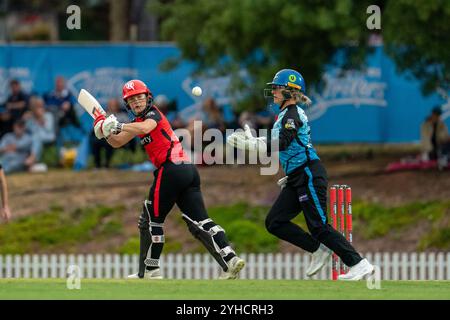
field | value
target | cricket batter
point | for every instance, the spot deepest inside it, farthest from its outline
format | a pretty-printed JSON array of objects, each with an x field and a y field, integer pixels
[
  {"x": 305, "y": 187},
  {"x": 176, "y": 181}
]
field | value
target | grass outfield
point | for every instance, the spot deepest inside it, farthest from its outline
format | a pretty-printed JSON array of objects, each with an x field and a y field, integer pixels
[{"x": 216, "y": 289}]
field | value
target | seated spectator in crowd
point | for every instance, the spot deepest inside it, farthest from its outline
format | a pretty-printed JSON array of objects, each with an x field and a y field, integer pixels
[
  {"x": 169, "y": 109},
  {"x": 101, "y": 146},
  {"x": 18, "y": 149},
  {"x": 114, "y": 107},
  {"x": 17, "y": 103},
  {"x": 213, "y": 115},
  {"x": 265, "y": 119},
  {"x": 6, "y": 122},
  {"x": 435, "y": 140},
  {"x": 61, "y": 103},
  {"x": 41, "y": 123},
  {"x": 208, "y": 116}
]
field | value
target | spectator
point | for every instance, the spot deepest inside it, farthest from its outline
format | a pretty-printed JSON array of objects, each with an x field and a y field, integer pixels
[
  {"x": 6, "y": 123},
  {"x": 18, "y": 149},
  {"x": 61, "y": 103},
  {"x": 114, "y": 107},
  {"x": 169, "y": 109},
  {"x": 5, "y": 212},
  {"x": 101, "y": 146},
  {"x": 17, "y": 102},
  {"x": 213, "y": 116},
  {"x": 41, "y": 123},
  {"x": 435, "y": 140},
  {"x": 265, "y": 119}
]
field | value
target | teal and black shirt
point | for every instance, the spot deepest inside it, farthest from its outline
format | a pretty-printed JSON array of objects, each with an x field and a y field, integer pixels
[{"x": 293, "y": 132}]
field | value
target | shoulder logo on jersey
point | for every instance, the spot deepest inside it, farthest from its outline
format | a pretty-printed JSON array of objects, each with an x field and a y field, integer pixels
[
  {"x": 146, "y": 140},
  {"x": 290, "y": 124},
  {"x": 129, "y": 85},
  {"x": 151, "y": 115}
]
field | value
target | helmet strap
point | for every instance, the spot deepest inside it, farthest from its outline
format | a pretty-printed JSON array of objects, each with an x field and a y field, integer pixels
[
  {"x": 282, "y": 104},
  {"x": 287, "y": 96}
]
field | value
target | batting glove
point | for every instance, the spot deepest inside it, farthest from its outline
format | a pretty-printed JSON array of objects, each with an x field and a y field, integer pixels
[
  {"x": 108, "y": 125},
  {"x": 98, "y": 123},
  {"x": 117, "y": 128}
]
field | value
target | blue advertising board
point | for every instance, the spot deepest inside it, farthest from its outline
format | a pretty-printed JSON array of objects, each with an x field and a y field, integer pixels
[{"x": 376, "y": 105}]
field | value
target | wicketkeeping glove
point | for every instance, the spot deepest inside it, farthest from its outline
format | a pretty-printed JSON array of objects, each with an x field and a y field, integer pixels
[{"x": 246, "y": 141}]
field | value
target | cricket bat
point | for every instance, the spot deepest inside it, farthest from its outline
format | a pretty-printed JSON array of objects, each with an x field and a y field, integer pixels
[{"x": 90, "y": 104}]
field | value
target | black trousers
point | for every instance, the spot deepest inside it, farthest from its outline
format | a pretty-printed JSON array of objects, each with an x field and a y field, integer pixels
[
  {"x": 306, "y": 191},
  {"x": 174, "y": 184}
]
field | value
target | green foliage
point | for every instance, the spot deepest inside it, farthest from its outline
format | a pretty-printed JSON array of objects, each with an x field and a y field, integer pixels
[
  {"x": 93, "y": 26},
  {"x": 131, "y": 246},
  {"x": 50, "y": 156},
  {"x": 439, "y": 238},
  {"x": 373, "y": 220},
  {"x": 122, "y": 156},
  {"x": 417, "y": 36},
  {"x": 264, "y": 36},
  {"x": 248, "y": 236},
  {"x": 56, "y": 229},
  {"x": 245, "y": 227}
]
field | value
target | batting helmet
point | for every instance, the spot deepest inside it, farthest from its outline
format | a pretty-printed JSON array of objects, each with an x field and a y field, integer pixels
[
  {"x": 289, "y": 78},
  {"x": 134, "y": 87}
]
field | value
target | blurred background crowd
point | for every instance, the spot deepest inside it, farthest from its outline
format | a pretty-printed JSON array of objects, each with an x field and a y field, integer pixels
[{"x": 32, "y": 125}]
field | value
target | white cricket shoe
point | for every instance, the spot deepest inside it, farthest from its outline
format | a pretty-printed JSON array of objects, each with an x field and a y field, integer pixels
[
  {"x": 234, "y": 266},
  {"x": 148, "y": 274},
  {"x": 319, "y": 258},
  {"x": 358, "y": 271}
]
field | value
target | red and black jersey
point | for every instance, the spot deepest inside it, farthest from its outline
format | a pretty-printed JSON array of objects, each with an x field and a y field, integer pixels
[{"x": 161, "y": 144}]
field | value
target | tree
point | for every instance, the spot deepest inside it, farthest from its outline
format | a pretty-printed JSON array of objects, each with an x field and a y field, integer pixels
[
  {"x": 118, "y": 19},
  {"x": 417, "y": 36},
  {"x": 264, "y": 36}
]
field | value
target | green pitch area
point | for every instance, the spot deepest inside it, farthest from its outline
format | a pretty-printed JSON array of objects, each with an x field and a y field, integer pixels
[{"x": 216, "y": 289}]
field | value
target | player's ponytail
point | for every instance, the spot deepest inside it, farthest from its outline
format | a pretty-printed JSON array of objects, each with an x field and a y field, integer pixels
[{"x": 302, "y": 99}]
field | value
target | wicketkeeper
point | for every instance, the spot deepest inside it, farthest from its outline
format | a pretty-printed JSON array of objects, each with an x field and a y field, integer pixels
[
  {"x": 176, "y": 182},
  {"x": 305, "y": 186}
]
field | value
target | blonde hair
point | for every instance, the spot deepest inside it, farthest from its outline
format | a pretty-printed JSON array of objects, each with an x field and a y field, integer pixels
[{"x": 302, "y": 98}]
